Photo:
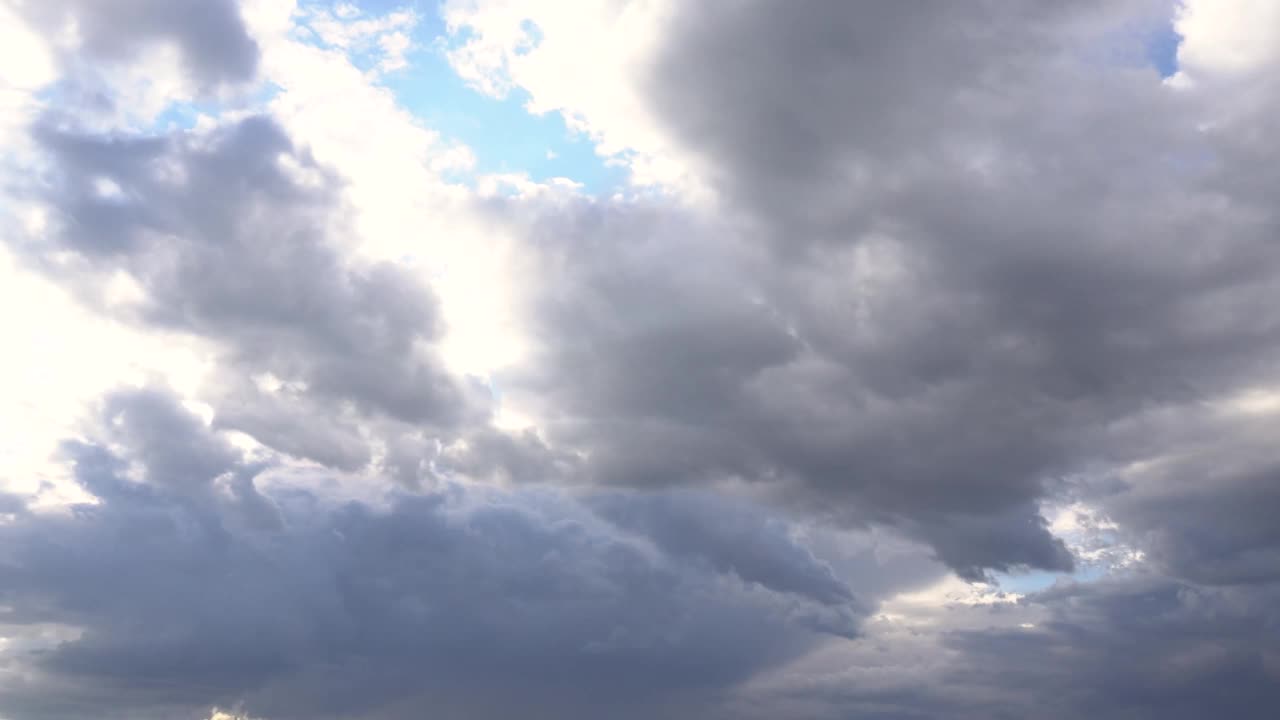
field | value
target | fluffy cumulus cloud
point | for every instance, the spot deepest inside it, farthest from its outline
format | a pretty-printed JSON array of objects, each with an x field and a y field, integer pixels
[{"x": 925, "y": 365}]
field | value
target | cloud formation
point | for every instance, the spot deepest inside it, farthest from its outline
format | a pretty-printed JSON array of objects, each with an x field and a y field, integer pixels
[
  {"x": 928, "y": 369},
  {"x": 188, "y": 585},
  {"x": 314, "y": 341}
]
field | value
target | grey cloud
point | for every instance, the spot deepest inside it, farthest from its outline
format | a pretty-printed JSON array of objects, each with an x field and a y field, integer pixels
[
  {"x": 11, "y": 504},
  {"x": 486, "y": 602},
  {"x": 730, "y": 537},
  {"x": 956, "y": 271},
  {"x": 170, "y": 441},
  {"x": 1130, "y": 646},
  {"x": 1205, "y": 513},
  {"x": 881, "y": 564},
  {"x": 1138, "y": 648},
  {"x": 210, "y": 35},
  {"x": 810, "y": 120},
  {"x": 291, "y": 423},
  {"x": 1223, "y": 533},
  {"x": 521, "y": 457},
  {"x": 970, "y": 543},
  {"x": 229, "y": 244},
  {"x": 952, "y": 258},
  {"x": 666, "y": 357}
]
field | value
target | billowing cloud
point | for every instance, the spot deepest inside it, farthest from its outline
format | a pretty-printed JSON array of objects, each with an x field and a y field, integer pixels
[
  {"x": 942, "y": 281},
  {"x": 316, "y": 342},
  {"x": 192, "y": 582},
  {"x": 1145, "y": 647},
  {"x": 749, "y": 544}
]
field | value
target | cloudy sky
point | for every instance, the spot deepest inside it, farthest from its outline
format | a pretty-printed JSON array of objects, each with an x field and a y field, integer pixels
[{"x": 562, "y": 360}]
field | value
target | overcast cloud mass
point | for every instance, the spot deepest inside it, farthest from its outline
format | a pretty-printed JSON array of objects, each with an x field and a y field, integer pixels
[{"x": 921, "y": 362}]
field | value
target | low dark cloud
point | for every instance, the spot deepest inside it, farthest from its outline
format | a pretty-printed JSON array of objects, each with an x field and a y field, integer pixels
[
  {"x": 1143, "y": 647},
  {"x": 747, "y": 543},
  {"x": 190, "y": 587},
  {"x": 1133, "y": 645},
  {"x": 1207, "y": 514}
]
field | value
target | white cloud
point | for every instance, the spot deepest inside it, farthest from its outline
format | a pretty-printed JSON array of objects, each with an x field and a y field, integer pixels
[
  {"x": 59, "y": 360},
  {"x": 393, "y": 167},
  {"x": 26, "y": 65},
  {"x": 1093, "y": 538},
  {"x": 232, "y": 715},
  {"x": 1227, "y": 37},
  {"x": 396, "y": 169},
  {"x": 584, "y": 60},
  {"x": 384, "y": 38},
  {"x": 25, "y": 60}
]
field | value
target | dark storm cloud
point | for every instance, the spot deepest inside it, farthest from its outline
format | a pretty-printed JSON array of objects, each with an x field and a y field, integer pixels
[
  {"x": 666, "y": 357},
  {"x": 971, "y": 542},
  {"x": 1131, "y": 646},
  {"x": 753, "y": 546},
  {"x": 956, "y": 251},
  {"x": 489, "y": 603},
  {"x": 237, "y": 237},
  {"x": 209, "y": 35},
  {"x": 1141, "y": 647},
  {"x": 1206, "y": 514}
]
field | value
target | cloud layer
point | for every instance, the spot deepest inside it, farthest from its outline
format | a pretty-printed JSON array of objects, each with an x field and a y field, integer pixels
[{"x": 908, "y": 308}]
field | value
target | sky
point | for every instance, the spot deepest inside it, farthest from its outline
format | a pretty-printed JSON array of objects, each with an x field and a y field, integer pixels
[{"x": 568, "y": 359}]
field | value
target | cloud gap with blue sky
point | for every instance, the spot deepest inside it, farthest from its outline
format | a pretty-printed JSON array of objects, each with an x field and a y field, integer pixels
[{"x": 504, "y": 137}]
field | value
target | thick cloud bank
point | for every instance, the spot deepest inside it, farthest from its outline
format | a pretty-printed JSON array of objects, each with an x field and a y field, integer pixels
[{"x": 190, "y": 586}]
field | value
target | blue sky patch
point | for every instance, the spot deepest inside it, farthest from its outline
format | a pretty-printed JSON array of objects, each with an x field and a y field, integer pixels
[
  {"x": 1162, "y": 50},
  {"x": 1037, "y": 580},
  {"x": 503, "y": 136}
]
